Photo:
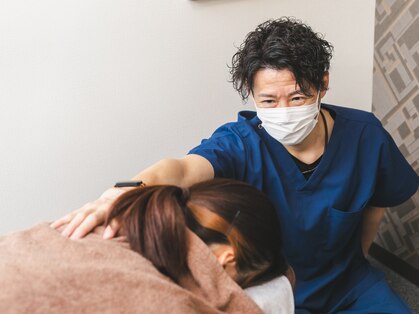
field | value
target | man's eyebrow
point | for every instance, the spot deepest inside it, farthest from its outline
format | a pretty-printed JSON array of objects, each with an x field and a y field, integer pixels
[
  {"x": 266, "y": 95},
  {"x": 296, "y": 92}
]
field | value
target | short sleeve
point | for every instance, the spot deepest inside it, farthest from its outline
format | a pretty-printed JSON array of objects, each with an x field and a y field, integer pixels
[
  {"x": 396, "y": 181},
  {"x": 225, "y": 151}
]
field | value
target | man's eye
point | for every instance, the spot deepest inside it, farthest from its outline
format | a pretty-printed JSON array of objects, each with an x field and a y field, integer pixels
[
  {"x": 267, "y": 103},
  {"x": 298, "y": 100}
]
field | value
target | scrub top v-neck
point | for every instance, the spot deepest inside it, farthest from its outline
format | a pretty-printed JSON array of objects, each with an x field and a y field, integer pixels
[
  {"x": 291, "y": 169},
  {"x": 321, "y": 217},
  {"x": 308, "y": 169}
]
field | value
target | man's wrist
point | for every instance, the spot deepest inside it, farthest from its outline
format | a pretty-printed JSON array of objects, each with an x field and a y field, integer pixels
[{"x": 113, "y": 192}]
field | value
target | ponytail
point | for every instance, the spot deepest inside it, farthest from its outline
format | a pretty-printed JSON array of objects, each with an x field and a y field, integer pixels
[{"x": 153, "y": 220}]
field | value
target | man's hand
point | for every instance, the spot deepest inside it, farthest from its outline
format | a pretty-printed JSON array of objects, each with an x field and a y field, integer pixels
[{"x": 85, "y": 219}]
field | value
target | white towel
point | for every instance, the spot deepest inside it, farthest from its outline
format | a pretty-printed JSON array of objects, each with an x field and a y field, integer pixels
[{"x": 273, "y": 297}]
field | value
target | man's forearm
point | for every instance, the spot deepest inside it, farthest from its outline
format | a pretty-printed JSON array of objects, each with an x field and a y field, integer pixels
[
  {"x": 183, "y": 172},
  {"x": 166, "y": 171},
  {"x": 371, "y": 222}
]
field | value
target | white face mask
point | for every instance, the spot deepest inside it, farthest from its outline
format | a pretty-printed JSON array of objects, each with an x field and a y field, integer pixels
[{"x": 290, "y": 125}]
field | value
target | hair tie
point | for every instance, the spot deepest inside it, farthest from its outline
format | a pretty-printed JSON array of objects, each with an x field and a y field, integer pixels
[{"x": 183, "y": 196}]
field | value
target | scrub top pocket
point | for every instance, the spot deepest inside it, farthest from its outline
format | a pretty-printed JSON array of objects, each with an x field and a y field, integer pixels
[{"x": 341, "y": 228}]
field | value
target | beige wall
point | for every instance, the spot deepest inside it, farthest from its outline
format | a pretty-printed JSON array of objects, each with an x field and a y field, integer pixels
[
  {"x": 92, "y": 91},
  {"x": 396, "y": 103}
]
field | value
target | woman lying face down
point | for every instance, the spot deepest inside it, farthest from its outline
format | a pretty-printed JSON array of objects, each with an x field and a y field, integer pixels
[
  {"x": 44, "y": 272},
  {"x": 235, "y": 220}
]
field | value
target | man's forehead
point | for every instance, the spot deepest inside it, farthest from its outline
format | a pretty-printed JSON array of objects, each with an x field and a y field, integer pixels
[
  {"x": 275, "y": 81},
  {"x": 273, "y": 75}
]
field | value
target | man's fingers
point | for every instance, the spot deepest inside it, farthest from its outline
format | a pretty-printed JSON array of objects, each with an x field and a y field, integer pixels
[
  {"x": 87, "y": 225},
  {"x": 75, "y": 222},
  {"x": 80, "y": 222},
  {"x": 62, "y": 221},
  {"x": 58, "y": 223},
  {"x": 112, "y": 229},
  {"x": 69, "y": 217}
]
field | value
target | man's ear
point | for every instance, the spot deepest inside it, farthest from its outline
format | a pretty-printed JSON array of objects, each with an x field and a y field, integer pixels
[{"x": 325, "y": 84}]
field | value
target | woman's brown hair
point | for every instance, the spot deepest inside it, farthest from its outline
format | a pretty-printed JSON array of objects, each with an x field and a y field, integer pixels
[{"x": 226, "y": 211}]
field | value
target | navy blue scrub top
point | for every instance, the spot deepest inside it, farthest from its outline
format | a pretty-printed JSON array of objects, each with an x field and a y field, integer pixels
[{"x": 321, "y": 218}]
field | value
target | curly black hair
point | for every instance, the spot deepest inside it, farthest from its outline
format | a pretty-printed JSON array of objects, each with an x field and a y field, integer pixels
[{"x": 284, "y": 43}]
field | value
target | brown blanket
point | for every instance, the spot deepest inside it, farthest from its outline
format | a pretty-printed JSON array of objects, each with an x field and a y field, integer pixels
[{"x": 43, "y": 272}]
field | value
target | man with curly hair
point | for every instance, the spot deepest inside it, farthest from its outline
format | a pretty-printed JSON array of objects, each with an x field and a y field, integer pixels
[{"x": 329, "y": 170}]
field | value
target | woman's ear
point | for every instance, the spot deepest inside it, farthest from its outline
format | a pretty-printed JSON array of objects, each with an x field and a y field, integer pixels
[
  {"x": 224, "y": 253},
  {"x": 226, "y": 257}
]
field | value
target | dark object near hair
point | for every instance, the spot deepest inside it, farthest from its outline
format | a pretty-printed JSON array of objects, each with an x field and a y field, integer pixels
[
  {"x": 155, "y": 218},
  {"x": 285, "y": 43}
]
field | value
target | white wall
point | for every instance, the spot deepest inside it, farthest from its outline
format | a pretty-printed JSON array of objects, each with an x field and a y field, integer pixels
[{"x": 92, "y": 91}]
